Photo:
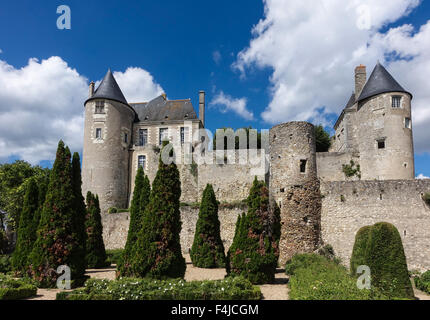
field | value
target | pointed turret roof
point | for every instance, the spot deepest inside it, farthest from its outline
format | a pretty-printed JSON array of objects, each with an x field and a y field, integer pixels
[
  {"x": 109, "y": 89},
  {"x": 380, "y": 81}
]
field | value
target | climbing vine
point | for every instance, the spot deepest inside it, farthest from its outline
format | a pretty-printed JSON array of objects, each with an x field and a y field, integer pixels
[{"x": 352, "y": 169}]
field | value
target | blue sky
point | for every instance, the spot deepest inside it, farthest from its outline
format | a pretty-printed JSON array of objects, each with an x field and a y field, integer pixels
[{"x": 191, "y": 45}]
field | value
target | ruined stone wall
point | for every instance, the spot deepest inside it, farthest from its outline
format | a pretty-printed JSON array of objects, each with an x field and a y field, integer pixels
[
  {"x": 115, "y": 226},
  {"x": 329, "y": 165},
  {"x": 348, "y": 206}
]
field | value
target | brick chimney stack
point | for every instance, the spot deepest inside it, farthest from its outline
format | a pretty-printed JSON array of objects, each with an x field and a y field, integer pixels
[
  {"x": 360, "y": 79},
  {"x": 202, "y": 107},
  {"x": 92, "y": 85}
]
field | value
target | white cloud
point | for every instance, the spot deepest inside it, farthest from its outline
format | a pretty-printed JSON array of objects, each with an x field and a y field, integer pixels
[
  {"x": 1, "y": 51},
  {"x": 216, "y": 56},
  {"x": 43, "y": 102},
  {"x": 313, "y": 47},
  {"x": 137, "y": 85},
  {"x": 232, "y": 104},
  {"x": 421, "y": 176}
]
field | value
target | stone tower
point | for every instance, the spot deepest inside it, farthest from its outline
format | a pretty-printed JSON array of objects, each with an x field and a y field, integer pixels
[
  {"x": 384, "y": 128},
  {"x": 295, "y": 187},
  {"x": 107, "y": 137}
]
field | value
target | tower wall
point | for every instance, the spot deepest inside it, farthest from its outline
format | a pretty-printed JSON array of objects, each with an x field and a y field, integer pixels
[
  {"x": 377, "y": 121},
  {"x": 105, "y": 164},
  {"x": 295, "y": 187}
]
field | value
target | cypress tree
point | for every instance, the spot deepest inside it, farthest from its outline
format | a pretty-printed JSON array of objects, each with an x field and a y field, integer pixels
[
  {"x": 56, "y": 237},
  {"x": 80, "y": 211},
  {"x": 26, "y": 233},
  {"x": 207, "y": 250},
  {"x": 255, "y": 249},
  {"x": 141, "y": 192},
  {"x": 383, "y": 253},
  {"x": 95, "y": 248},
  {"x": 158, "y": 250}
]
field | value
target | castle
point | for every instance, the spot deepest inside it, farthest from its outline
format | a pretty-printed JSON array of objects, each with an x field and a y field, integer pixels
[{"x": 320, "y": 201}]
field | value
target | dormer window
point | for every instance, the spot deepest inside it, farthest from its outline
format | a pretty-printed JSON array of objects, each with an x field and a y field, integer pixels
[
  {"x": 100, "y": 107},
  {"x": 395, "y": 101}
]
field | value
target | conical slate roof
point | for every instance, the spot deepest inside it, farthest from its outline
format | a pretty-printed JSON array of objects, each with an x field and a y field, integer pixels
[
  {"x": 380, "y": 81},
  {"x": 109, "y": 89}
]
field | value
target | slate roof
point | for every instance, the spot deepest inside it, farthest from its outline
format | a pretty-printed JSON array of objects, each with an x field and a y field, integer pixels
[
  {"x": 161, "y": 109},
  {"x": 349, "y": 104},
  {"x": 380, "y": 81},
  {"x": 109, "y": 89}
]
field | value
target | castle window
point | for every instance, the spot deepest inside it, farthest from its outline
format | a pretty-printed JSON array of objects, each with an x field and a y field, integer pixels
[
  {"x": 381, "y": 144},
  {"x": 141, "y": 161},
  {"x": 408, "y": 123},
  {"x": 100, "y": 107},
  {"x": 395, "y": 101},
  {"x": 143, "y": 137},
  {"x": 125, "y": 138},
  {"x": 98, "y": 133},
  {"x": 303, "y": 166},
  {"x": 184, "y": 132},
  {"x": 163, "y": 136}
]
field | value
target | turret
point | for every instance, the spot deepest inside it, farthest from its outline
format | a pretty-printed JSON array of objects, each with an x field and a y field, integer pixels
[{"x": 107, "y": 137}]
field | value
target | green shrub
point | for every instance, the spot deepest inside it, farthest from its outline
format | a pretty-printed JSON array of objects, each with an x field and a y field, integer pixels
[
  {"x": 314, "y": 277},
  {"x": 254, "y": 252},
  {"x": 142, "y": 190},
  {"x": 426, "y": 198},
  {"x": 383, "y": 253},
  {"x": 5, "y": 263},
  {"x": 95, "y": 248},
  {"x": 207, "y": 250},
  {"x": 423, "y": 282},
  {"x": 114, "y": 256},
  {"x": 4, "y": 243},
  {"x": 57, "y": 238},
  {"x": 236, "y": 288},
  {"x": 14, "y": 289},
  {"x": 158, "y": 250},
  {"x": 113, "y": 210}
]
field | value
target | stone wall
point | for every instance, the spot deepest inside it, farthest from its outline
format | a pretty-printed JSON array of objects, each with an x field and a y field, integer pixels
[
  {"x": 348, "y": 206},
  {"x": 115, "y": 227},
  {"x": 329, "y": 165}
]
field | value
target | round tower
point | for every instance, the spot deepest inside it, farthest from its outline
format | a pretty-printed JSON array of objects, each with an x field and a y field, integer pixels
[
  {"x": 385, "y": 138},
  {"x": 107, "y": 137},
  {"x": 294, "y": 186}
]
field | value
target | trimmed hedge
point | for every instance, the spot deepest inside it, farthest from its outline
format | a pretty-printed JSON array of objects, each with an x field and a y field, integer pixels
[
  {"x": 314, "y": 277},
  {"x": 14, "y": 289},
  {"x": 114, "y": 256},
  {"x": 236, "y": 288},
  {"x": 381, "y": 249},
  {"x": 5, "y": 263},
  {"x": 423, "y": 282}
]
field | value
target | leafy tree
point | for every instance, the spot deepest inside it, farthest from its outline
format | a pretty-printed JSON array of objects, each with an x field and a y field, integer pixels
[
  {"x": 380, "y": 248},
  {"x": 95, "y": 248},
  {"x": 56, "y": 236},
  {"x": 322, "y": 139},
  {"x": 80, "y": 210},
  {"x": 27, "y": 229},
  {"x": 207, "y": 250},
  {"x": 141, "y": 192},
  {"x": 255, "y": 249},
  {"x": 158, "y": 250}
]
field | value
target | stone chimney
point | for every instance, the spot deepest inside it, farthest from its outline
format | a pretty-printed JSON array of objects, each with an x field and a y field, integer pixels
[
  {"x": 202, "y": 107},
  {"x": 92, "y": 84},
  {"x": 360, "y": 79}
]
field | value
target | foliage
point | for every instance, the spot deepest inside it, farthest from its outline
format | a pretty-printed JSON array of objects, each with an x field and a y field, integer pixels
[
  {"x": 158, "y": 250},
  {"x": 4, "y": 243},
  {"x": 14, "y": 289},
  {"x": 426, "y": 198},
  {"x": 380, "y": 248},
  {"x": 5, "y": 263},
  {"x": 114, "y": 256},
  {"x": 314, "y": 277},
  {"x": 27, "y": 229},
  {"x": 112, "y": 210},
  {"x": 13, "y": 180},
  {"x": 194, "y": 169},
  {"x": 423, "y": 282},
  {"x": 141, "y": 192},
  {"x": 208, "y": 250},
  {"x": 237, "y": 140},
  {"x": 236, "y": 288},
  {"x": 352, "y": 169},
  {"x": 95, "y": 248},
  {"x": 57, "y": 239},
  {"x": 322, "y": 139},
  {"x": 254, "y": 252}
]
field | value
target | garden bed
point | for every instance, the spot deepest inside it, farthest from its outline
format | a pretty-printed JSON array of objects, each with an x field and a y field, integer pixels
[{"x": 14, "y": 289}]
